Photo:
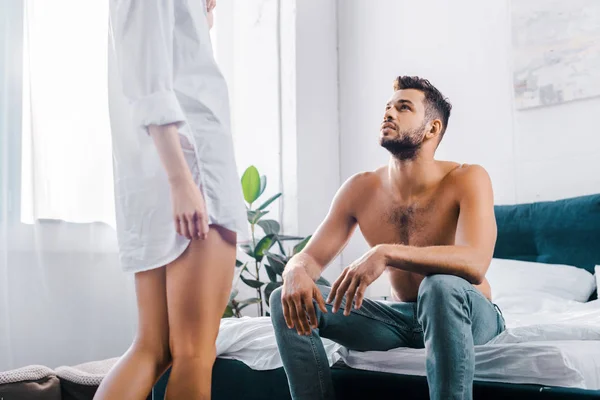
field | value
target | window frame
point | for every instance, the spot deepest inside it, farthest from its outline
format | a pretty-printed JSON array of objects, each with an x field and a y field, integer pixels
[{"x": 11, "y": 103}]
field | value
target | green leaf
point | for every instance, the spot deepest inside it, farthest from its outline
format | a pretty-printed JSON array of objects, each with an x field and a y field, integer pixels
[
  {"x": 271, "y": 273},
  {"x": 238, "y": 263},
  {"x": 247, "y": 302},
  {"x": 298, "y": 248},
  {"x": 276, "y": 262},
  {"x": 280, "y": 246},
  {"x": 259, "y": 216},
  {"x": 232, "y": 295},
  {"x": 263, "y": 245},
  {"x": 247, "y": 248},
  {"x": 252, "y": 283},
  {"x": 272, "y": 199},
  {"x": 284, "y": 237},
  {"x": 269, "y": 226},
  {"x": 255, "y": 216},
  {"x": 251, "y": 215},
  {"x": 228, "y": 313},
  {"x": 269, "y": 289},
  {"x": 253, "y": 300},
  {"x": 323, "y": 281},
  {"x": 251, "y": 184},
  {"x": 263, "y": 184}
]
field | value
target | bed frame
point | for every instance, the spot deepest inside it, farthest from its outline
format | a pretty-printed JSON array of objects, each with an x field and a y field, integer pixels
[{"x": 560, "y": 232}]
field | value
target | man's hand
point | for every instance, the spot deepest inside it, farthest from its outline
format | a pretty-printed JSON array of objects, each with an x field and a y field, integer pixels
[
  {"x": 297, "y": 296},
  {"x": 355, "y": 279}
]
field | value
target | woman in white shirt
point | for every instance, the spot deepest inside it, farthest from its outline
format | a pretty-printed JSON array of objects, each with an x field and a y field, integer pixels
[{"x": 179, "y": 202}]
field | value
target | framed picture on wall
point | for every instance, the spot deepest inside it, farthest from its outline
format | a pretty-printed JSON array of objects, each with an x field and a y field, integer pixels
[{"x": 555, "y": 51}]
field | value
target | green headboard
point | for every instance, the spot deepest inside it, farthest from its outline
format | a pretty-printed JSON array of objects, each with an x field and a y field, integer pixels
[{"x": 556, "y": 232}]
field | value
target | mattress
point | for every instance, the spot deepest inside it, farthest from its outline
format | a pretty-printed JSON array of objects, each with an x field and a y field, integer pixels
[
  {"x": 548, "y": 341},
  {"x": 560, "y": 363}
]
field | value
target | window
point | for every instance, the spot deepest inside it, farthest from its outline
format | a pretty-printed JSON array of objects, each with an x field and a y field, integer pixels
[
  {"x": 11, "y": 29},
  {"x": 61, "y": 166},
  {"x": 66, "y": 164}
]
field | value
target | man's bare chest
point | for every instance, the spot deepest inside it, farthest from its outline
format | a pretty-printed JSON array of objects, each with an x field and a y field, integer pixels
[{"x": 425, "y": 223}]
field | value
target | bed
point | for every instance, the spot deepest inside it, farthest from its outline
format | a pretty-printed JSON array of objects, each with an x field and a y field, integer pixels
[{"x": 551, "y": 349}]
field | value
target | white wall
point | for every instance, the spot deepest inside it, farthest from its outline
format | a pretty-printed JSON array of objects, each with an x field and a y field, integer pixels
[
  {"x": 311, "y": 163},
  {"x": 557, "y": 151},
  {"x": 463, "y": 47}
]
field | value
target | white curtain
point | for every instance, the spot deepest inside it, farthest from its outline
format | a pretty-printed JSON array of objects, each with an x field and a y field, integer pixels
[
  {"x": 66, "y": 164},
  {"x": 63, "y": 297}
]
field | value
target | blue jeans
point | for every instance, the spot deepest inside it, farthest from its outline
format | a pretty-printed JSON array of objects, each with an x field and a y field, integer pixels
[{"x": 448, "y": 319}]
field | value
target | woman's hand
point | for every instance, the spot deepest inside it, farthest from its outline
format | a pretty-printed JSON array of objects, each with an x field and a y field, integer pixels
[
  {"x": 189, "y": 210},
  {"x": 211, "y": 19},
  {"x": 210, "y": 6}
]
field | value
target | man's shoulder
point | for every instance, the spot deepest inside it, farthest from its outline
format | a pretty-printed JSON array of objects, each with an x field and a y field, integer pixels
[
  {"x": 467, "y": 179},
  {"x": 360, "y": 184},
  {"x": 364, "y": 180},
  {"x": 467, "y": 174}
]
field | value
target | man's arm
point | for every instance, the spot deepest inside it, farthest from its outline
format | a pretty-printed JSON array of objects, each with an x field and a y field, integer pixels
[
  {"x": 470, "y": 256},
  {"x": 331, "y": 236},
  {"x": 301, "y": 272}
]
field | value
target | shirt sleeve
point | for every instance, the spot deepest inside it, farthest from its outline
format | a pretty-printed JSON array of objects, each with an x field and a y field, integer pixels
[{"x": 143, "y": 41}]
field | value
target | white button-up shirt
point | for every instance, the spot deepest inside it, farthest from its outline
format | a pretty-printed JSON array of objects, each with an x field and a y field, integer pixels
[{"x": 162, "y": 71}]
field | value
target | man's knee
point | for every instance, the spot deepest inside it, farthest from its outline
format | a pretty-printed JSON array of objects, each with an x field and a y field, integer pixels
[
  {"x": 439, "y": 297},
  {"x": 276, "y": 308},
  {"x": 325, "y": 290},
  {"x": 275, "y": 300},
  {"x": 440, "y": 286}
]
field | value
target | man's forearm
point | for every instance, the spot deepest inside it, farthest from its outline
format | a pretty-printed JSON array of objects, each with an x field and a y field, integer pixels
[
  {"x": 305, "y": 262},
  {"x": 167, "y": 142},
  {"x": 463, "y": 261}
]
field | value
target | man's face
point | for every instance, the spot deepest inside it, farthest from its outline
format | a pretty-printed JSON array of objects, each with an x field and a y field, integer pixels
[{"x": 403, "y": 126}]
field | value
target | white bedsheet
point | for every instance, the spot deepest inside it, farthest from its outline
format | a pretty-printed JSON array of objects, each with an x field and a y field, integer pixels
[{"x": 548, "y": 341}]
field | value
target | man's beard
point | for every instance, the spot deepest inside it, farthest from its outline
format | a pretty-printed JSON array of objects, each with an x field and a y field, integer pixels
[{"x": 406, "y": 146}]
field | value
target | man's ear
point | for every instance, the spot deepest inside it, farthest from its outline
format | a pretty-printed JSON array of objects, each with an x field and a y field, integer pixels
[{"x": 435, "y": 129}]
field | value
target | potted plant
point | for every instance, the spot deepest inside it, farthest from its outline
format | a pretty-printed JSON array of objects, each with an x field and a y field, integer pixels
[{"x": 258, "y": 249}]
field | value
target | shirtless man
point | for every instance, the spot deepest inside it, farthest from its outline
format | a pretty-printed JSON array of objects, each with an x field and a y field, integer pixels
[{"x": 431, "y": 225}]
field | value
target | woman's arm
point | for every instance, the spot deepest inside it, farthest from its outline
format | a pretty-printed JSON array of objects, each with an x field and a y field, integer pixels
[
  {"x": 143, "y": 39},
  {"x": 189, "y": 210},
  {"x": 167, "y": 142}
]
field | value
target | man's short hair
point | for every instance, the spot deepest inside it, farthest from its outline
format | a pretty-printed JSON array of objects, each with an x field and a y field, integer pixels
[{"x": 436, "y": 105}]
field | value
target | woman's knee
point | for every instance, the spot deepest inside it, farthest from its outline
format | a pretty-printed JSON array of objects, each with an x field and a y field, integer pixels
[
  {"x": 199, "y": 353},
  {"x": 193, "y": 341},
  {"x": 156, "y": 350}
]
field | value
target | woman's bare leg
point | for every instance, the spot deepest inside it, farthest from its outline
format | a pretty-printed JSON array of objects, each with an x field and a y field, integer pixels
[
  {"x": 134, "y": 375},
  {"x": 198, "y": 287}
]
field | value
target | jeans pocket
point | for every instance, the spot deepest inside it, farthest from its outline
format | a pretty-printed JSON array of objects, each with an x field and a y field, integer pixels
[{"x": 501, "y": 321}]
